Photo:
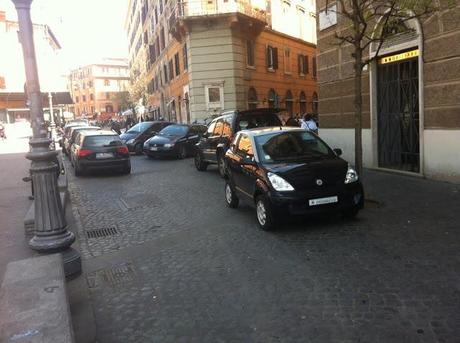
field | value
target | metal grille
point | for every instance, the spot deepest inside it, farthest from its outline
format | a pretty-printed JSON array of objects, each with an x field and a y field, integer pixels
[
  {"x": 398, "y": 116},
  {"x": 115, "y": 276},
  {"x": 102, "y": 232}
]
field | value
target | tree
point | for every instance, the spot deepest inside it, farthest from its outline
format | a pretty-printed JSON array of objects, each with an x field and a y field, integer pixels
[
  {"x": 123, "y": 99},
  {"x": 372, "y": 22}
]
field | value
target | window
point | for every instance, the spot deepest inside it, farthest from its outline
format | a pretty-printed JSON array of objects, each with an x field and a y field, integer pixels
[
  {"x": 177, "y": 65},
  {"x": 77, "y": 99},
  {"x": 161, "y": 6},
  {"x": 314, "y": 67},
  {"x": 272, "y": 57},
  {"x": 107, "y": 95},
  {"x": 218, "y": 128},
  {"x": 92, "y": 109},
  {"x": 214, "y": 96},
  {"x": 90, "y": 83},
  {"x": 287, "y": 61},
  {"x": 303, "y": 103},
  {"x": 250, "y": 60},
  {"x": 289, "y": 100},
  {"x": 252, "y": 98},
  {"x": 156, "y": 15},
  {"x": 84, "y": 98},
  {"x": 91, "y": 97},
  {"x": 227, "y": 126},
  {"x": 165, "y": 72},
  {"x": 106, "y": 82},
  {"x": 185, "y": 57},
  {"x": 272, "y": 98},
  {"x": 162, "y": 39},
  {"x": 171, "y": 70},
  {"x": 314, "y": 103},
  {"x": 244, "y": 147},
  {"x": 303, "y": 64}
]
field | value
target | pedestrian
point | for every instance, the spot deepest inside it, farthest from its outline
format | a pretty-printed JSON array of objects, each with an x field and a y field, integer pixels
[
  {"x": 291, "y": 121},
  {"x": 115, "y": 126},
  {"x": 2, "y": 131},
  {"x": 308, "y": 123}
]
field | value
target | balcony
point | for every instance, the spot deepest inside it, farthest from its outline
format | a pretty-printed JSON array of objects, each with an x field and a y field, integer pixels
[{"x": 254, "y": 10}]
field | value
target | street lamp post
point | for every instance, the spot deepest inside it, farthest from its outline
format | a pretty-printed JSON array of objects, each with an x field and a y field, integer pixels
[
  {"x": 52, "y": 123},
  {"x": 51, "y": 234}
]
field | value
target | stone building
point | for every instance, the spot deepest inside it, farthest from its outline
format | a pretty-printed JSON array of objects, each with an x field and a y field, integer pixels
[
  {"x": 96, "y": 88},
  {"x": 199, "y": 58},
  {"x": 411, "y": 95}
]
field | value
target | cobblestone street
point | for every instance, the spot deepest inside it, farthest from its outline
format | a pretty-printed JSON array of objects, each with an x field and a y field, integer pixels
[{"x": 175, "y": 264}]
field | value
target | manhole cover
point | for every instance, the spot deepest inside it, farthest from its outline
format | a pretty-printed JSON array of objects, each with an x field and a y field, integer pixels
[
  {"x": 114, "y": 276},
  {"x": 102, "y": 232}
]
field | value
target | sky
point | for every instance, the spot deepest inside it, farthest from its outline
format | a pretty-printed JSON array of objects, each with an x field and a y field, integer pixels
[{"x": 87, "y": 30}]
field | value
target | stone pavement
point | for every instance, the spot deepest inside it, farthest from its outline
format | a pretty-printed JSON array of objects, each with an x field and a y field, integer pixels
[
  {"x": 14, "y": 193},
  {"x": 169, "y": 262}
]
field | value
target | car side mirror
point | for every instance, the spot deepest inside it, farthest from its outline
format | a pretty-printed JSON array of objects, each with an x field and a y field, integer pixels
[
  {"x": 248, "y": 160},
  {"x": 337, "y": 151}
]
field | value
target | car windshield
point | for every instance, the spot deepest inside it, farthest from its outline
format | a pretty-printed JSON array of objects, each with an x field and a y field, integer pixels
[
  {"x": 288, "y": 146},
  {"x": 253, "y": 120},
  {"x": 174, "y": 130},
  {"x": 140, "y": 127},
  {"x": 102, "y": 141}
]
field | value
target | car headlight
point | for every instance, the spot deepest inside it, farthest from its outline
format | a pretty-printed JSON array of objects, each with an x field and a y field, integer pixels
[
  {"x": 352, "y": 175},
  {"x": 130, "y": 141},
  {"x": 278, "y": 183},
  {"x": 168, "y": 145}
]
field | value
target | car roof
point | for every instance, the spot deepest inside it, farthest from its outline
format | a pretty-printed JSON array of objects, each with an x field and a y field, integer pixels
[
  {"x": 98, "y": 133},
  {"x": 74, "y": 128},
  {"x": 275, "y": 129}
]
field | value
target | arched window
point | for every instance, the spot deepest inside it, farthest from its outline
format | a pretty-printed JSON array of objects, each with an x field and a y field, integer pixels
[
  {"x": 272, "y": 98},
  {"x": 289, "y": 100},
  {"x": 314, "y": 103},
  {"x": 303, "y": 103},
  {"x": 252, "y": 98}
]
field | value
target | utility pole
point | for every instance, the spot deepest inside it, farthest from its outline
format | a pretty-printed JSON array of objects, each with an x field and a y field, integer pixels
[{"x": 50, "y": 232}]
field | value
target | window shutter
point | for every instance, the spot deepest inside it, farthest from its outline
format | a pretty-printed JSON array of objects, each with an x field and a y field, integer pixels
[
  {"x": 306, "y": 64},
  {"x": 299, "y": 63},
  {"x": 275, "y": 58},
  {"x": 267, "y": 56}
]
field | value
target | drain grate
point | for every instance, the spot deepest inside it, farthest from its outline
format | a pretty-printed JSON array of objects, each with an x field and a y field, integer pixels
[
  {"x": 114, "y": 276},
  {"x": 102, "y": 232}
]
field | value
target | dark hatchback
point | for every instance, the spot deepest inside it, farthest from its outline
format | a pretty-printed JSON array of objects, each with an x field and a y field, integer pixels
[
  {"x": 94, "y": 150},
  {"x": 289, "y": 171},
  {"x": 221, "y": 131},
  {"x": 176, "y": 140},
  {"x": 136, "y": 136}
]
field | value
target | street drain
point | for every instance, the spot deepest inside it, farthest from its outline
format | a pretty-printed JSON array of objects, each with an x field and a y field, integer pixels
[
  {"x": 114, "y": 276},
  {"x": 102, "y": 232}
]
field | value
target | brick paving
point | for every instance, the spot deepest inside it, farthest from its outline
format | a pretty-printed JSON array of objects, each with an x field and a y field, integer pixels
[{"x": 183, "y": 267}]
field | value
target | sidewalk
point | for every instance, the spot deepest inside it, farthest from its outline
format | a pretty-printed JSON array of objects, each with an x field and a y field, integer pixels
[{"x": 14, "y": 193}]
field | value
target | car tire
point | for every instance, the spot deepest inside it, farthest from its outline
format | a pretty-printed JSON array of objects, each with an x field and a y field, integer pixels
[
  {"x": 221, "y": 165},
  {"x": 138, "y": 149},
  {"x": 182, "y": 152},
  {"x": 199, "y": 163},
  {"x": 350, "y": 213},
  {"x": 264, "y": 214},
  {"x": 126, "y": 170},
  {"x": 230, "y": 196}
]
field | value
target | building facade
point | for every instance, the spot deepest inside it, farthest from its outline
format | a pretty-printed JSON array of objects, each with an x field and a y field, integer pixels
[
  {"x": 205, "y": 57},
  {"x": 411, "y": 95},
  {"x": 13, "y": 99},
  {"x": 98, "y": 89}
]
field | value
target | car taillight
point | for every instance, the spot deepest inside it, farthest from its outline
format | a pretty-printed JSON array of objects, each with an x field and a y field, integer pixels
[
  {"x": 84, "y": 152},
  {"x": 123, "y": 150}
]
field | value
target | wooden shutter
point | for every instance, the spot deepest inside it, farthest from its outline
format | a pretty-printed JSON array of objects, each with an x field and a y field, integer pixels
[
  {"x": 299, "y": 63},
  {"x": 275, "y": 58}
]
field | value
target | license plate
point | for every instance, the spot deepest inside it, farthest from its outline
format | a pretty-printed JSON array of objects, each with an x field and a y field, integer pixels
[
  {"x": 102, "y": 155},
  {"x": 154, "y": 149},
  {"x": 321, "y": 201}
]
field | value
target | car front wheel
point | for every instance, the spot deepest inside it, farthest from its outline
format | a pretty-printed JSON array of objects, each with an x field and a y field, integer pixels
[
  {"x": 182, "y": 152},
  {"x": 230, "y": 196},
  {"x": 138, "y": 149},
  {"x": 264, "y": 214},
  {"x": 199, "y": 163},
  {"x": 221, "y": 165}
]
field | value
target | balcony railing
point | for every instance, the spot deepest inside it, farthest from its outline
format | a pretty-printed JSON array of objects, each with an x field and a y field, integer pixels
[{"x": 195, "y": 8}]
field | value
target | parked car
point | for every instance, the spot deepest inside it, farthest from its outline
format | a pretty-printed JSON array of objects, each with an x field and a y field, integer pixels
[
  {"x": 288, "y": 172},
  {"x": 216, "y": 140},
  {"x": 136, "y": 136},
  {"x": 176, "y": 140},
  {"x": 99, "y": 150},
  {"x": 66, "y": 134},
  {"x": 73, "y": 133}
]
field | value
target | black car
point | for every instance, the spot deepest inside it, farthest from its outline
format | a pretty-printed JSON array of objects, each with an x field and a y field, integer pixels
[
  {"x": 136, "y": 136},
  {"x": 176, "y": 140},
  {"x": 100, "y": 150},
  {"x": 221, "y": 131},
  {"x": 73, "y": 134},
  {"x": 63, "y": 142},
  {"x": 289, "y": 171}
]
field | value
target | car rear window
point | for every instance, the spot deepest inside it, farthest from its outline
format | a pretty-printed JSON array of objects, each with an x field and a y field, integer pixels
[
  {"x": 102, "y": 141},
  {"x": 250, "y": 121}
]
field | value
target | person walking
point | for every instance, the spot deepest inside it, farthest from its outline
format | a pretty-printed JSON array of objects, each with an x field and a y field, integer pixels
[{"x": 308, "y": 123}]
